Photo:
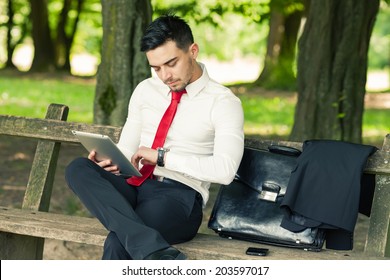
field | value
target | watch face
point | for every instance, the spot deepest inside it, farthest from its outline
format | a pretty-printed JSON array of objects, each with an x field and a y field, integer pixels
[{"x": 160, "y": 156}]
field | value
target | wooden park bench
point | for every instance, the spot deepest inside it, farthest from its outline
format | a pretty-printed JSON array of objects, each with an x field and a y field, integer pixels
[{"x": 23, "y": 231}]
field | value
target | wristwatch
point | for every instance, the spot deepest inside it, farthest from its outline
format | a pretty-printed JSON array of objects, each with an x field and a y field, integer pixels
[{"x": 160, "y": 156}]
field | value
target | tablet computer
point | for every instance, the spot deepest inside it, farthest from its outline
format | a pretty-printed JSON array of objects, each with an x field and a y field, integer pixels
[{"x": 106, "y": 149}]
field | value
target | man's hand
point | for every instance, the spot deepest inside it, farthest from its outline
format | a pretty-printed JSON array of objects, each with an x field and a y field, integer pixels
[
  {"x": 106, "y": 164},
  {"x": 144, "y": 156}
]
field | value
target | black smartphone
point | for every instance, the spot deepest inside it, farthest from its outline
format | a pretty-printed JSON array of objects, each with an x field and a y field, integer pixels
[{"x": 253, "y": 251}]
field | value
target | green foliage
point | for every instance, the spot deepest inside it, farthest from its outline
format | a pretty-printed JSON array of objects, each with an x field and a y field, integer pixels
[
  {"x": 88, "y": 35},
  {"x": 212, "y": 11},
  {"x": 234, "y": 39},
  {"x": 379, "y": 52},
  {"x": 20, "y": 28},
  {"x": 89, "y": 31},
  {"x": 223, "y": 29}
]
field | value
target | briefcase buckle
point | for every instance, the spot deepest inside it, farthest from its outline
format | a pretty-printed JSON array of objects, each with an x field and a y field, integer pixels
[{"x": 269, "y": 191}]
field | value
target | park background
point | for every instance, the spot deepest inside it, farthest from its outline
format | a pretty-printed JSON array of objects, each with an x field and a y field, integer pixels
[{"x": 233, "y": 45}]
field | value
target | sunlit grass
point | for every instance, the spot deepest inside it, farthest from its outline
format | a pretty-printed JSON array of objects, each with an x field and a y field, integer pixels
[
  {"x": 376, "y": 124},
  {"x": 267, "y": 115},
  {"x": 21, "y": 96}
]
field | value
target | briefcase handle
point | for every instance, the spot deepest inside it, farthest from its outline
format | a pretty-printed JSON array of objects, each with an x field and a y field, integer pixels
[{"x": 284, "y": 150}]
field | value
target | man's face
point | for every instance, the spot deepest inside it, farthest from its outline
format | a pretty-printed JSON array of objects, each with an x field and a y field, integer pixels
[{"x": 174, "y": 66}]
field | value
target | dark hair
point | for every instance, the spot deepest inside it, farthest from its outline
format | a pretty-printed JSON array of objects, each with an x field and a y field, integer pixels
[{"x": 165, "y": 28}]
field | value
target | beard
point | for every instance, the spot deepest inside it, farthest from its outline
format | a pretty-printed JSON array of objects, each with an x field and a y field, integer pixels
[{"x": 181, "y": 83}]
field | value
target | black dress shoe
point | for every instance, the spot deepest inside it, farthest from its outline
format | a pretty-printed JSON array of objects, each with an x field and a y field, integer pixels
[{"x": 169, "y": 253}]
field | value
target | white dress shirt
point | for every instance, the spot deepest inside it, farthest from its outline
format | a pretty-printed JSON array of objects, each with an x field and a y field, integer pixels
[{"x": 206, "y": 138}]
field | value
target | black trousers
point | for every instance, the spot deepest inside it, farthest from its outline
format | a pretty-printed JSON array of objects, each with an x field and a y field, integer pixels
[{"x": 140, "y": 220}]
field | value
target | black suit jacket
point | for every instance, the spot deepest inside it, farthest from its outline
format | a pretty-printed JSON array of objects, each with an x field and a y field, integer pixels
[{"x": 325, "y": 190}]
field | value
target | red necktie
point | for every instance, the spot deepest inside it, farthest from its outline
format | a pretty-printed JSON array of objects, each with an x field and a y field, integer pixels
[{"x": 159, "y": 139}]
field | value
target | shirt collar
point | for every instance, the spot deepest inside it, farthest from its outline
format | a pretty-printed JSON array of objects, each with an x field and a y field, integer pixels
[{"x": 197, "y": 86}]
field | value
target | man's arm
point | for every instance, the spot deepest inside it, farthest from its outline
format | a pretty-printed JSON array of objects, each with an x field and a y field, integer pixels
[{"x": 222, "y": 165}]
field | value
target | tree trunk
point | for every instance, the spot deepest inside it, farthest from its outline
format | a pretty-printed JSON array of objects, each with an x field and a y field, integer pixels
[
  {"x": 278, "y": 70},
  {"x": 123, "y": 65},
  {"x": 10, "y": 25},
  {"x": 14, "y": 40},
  {"x": 44, "y": 59},
  {"x": 274, "y": 40},
  {"x": 332, "y": 69},
  {"x": 64, "y": 41}
]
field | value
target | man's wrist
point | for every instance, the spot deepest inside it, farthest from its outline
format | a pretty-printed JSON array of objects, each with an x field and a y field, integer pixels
[{"x": 161, "y": 156}]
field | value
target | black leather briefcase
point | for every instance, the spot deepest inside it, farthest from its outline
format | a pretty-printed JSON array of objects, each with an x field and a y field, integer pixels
[{"x": 249, "y": 208}]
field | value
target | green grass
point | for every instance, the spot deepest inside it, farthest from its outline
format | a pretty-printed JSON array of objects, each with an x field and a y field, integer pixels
[
  {"x": 267, "y": 116},
  {"x": 264, "y": 115},
  {"x": 376, "y": 124},
  {"x": 22, "y": 96}
]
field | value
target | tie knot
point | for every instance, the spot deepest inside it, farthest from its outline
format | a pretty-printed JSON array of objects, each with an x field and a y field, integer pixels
[{"x": 176, "y": 95}]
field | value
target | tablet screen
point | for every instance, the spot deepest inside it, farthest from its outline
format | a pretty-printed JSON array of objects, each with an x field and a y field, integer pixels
[{"x": 106, "y": 149}]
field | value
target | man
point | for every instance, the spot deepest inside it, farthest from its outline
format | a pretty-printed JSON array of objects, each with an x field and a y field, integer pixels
[{"x": 204, "y": 144}]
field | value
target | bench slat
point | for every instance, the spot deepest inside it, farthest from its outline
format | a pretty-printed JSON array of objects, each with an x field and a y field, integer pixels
[
  {"x": 62, "y": 131},
  {"x": 213, "y": 247},
  {"x": 203, "y": 246},
  {"x": 378, "y": 237},
  {"x": 54, "y": 130},
  {"x": 53, "y": 226},
  {"x": 40, "y": 183}
]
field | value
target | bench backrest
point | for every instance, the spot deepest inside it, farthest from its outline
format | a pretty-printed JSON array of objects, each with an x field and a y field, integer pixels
[{"x": 55, "y": 128}]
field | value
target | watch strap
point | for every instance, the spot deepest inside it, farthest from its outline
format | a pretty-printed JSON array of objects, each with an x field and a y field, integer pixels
[{"x": 160, "y": 156}]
